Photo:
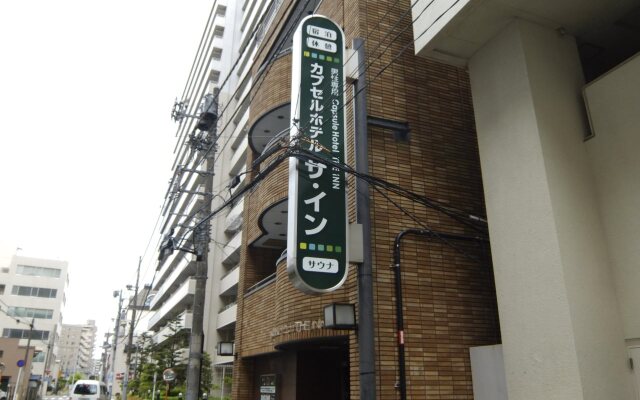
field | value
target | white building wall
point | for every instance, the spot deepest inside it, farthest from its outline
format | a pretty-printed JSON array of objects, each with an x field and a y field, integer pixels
[
  {"x": 11, "y": 278},
  {"x": 613, "y": 101},
  {"x": 561, "y": 328}
]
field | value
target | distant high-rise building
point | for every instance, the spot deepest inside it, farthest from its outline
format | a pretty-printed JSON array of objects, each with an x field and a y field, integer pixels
[
  {"x": 32, "y": 290},
  {"x": 77, "y": 343}
]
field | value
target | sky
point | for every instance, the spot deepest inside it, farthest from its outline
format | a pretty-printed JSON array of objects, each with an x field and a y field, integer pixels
[{"x": 86, "y": 138}]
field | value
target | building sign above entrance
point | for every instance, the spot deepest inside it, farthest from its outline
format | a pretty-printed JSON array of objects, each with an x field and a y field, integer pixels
[{"x": 317, "y": 258}]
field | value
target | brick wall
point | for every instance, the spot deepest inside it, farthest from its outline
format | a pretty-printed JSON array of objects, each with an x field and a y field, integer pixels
[{"x": 449, "y": 296}]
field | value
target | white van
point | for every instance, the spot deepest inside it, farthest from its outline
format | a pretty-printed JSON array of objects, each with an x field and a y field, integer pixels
[{"x": 85, "y": 389}]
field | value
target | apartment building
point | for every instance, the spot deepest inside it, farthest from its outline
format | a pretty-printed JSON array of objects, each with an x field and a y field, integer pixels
[
  {"x": 205, "y": 176},
  {"x": 77, "y": 344},
  {"x": 32, "y": 290},
  {"x": 555, "y": 95}
]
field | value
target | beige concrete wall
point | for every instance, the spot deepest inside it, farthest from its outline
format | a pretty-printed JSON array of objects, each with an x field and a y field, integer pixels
[
  {"x": 613, "y": 101},
  {"x": 561, "y": 328}
]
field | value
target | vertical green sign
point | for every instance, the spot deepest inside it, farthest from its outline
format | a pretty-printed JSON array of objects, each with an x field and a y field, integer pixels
[{"x": 317, "y": 259}]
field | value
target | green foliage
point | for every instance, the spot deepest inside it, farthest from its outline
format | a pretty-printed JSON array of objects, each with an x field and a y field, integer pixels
[{"x": 154, "y": 359}]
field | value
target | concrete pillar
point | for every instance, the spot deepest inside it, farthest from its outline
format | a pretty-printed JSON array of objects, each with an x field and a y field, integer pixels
[{"x": 561, "y": 327}]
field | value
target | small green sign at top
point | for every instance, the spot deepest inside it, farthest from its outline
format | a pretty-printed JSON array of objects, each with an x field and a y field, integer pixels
[{"x": 317, "y": 260}]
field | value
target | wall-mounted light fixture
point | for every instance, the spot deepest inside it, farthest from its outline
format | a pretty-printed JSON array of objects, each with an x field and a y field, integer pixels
[
  {"x": 340, "y": 316},
  {"x": 225, "y": 348}
]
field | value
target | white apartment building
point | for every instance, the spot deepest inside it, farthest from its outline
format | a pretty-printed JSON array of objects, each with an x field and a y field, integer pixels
[
  {"x": 555, "y": 87},
  {"x": 33, "y": 289},
  {"x": 222, "y": 65},
  {"x": 77, "y": 343}
]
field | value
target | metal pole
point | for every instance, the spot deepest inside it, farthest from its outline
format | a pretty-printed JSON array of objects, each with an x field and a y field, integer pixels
[
  {"x": 125, "y": 381},
  {"x": 155, "y": 376},
  {"x": 366, "y": 332},
  {"x": 115, "y": 344},
  {"x": 224, "y": 369},
  {"x": 15, "y": 390},
  {"x": 26, "y": 362},
  {"x": 201, "y": 242}
]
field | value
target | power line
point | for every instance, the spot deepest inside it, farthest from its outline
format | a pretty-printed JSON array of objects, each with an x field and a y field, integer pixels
[{"x": 269, "y": 63}]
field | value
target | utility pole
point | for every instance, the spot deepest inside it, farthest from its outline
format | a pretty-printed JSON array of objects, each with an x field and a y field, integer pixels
[
  {"x": 105, "y": 357},
  {"x": 125, "y": 381},
  {"x": 115, "y": 341},
  {"x": 201, "y": 243},
  {"x": 47, "y": 361}
]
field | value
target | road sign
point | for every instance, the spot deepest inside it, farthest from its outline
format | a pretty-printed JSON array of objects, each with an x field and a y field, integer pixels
[
  {"x": 317, "y": 259},
  {"x": 168, "y": 375},
  {"x": 20, "y": 363}
]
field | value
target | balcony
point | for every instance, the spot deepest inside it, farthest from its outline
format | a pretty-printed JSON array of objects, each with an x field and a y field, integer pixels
[
  {"x": 185, "y": 201},
  {"x": 185, "y": 322},
  {"x": 178, "y": 260},
  {"x": 185, "y": 268},
  {"x": 233, "y": 221},
  {"x": 267, "y": 126},
  {"x": 227, "y": 316},
  {"x": 181, "y": 300},
  {"x": 452, "y": 30},
  {"x": 276, "y": 304},
  {"x": 240, "y": 131},
  {"x": 232, "y": 250},
  {"x": 239, "y": 158},
  {"x": 223, "y": 360},
  {"x": 229, "y": 283}
]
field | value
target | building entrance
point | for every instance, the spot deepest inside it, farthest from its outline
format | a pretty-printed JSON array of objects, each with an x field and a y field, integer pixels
[{"x": 323, "y": 374}]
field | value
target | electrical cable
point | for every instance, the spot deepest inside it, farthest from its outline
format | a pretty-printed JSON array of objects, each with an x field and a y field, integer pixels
[
  {"x": 426, "y": 201},
  {"x": 263, "y": 74},
  {"x": 426, "y": 227},
  {"x": 241, "y": 55},
  {"x": 269, "y": 63},
  {"x": 283, "y": 41}
]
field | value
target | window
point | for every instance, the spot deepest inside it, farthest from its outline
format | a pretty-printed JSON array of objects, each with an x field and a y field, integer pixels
[
  {"x": 30, "y": 312},
  {"x": 85, "y": 389},
  {"x": 24, "y": 334},
  {"x": 38, "y": 271},
  {"x": 1, "y": 353},
  {"x": 216, "y": 53},
  {"x": 39, "y": 357},
  {"x": 2, "y": 289},
  {"x": 5, "y": 270},
  {"x": 218, "y": 31},
  {"x": 34, "y": 291}
]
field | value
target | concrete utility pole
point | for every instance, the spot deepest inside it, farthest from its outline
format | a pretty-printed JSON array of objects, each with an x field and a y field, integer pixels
[
  {"x": 201, "y": 242},
  {"x": 115, "y": 341},
  {"x": 125, "y": 381}
]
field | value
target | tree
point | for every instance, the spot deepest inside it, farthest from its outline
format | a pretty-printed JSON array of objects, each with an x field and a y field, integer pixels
[
  {"x": 206, "y": 374},
  {"x": 155, "y": 358}
]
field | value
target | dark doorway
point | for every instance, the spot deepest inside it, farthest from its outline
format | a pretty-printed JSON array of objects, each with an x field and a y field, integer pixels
[{"x": 323, "y": 373}]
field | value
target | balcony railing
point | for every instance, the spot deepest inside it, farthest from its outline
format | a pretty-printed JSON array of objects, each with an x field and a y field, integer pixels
[{"x": 265, "y": 282}]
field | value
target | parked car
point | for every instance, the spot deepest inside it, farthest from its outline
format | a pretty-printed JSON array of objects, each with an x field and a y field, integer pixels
[{"x": 86, "y": 389}]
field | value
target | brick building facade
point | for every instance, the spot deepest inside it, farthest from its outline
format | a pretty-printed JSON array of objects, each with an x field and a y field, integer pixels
[{"x": 449, "y": 295}]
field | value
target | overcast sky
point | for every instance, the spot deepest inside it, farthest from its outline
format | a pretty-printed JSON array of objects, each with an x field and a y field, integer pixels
[{"x": 86, "y": 138}]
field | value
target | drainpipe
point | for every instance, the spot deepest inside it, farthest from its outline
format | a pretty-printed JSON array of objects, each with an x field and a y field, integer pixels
[{"x": 402, "y": 384}]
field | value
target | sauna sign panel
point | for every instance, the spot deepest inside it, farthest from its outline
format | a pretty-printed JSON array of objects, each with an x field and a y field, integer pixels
[{"x": 317, "y": 209}]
